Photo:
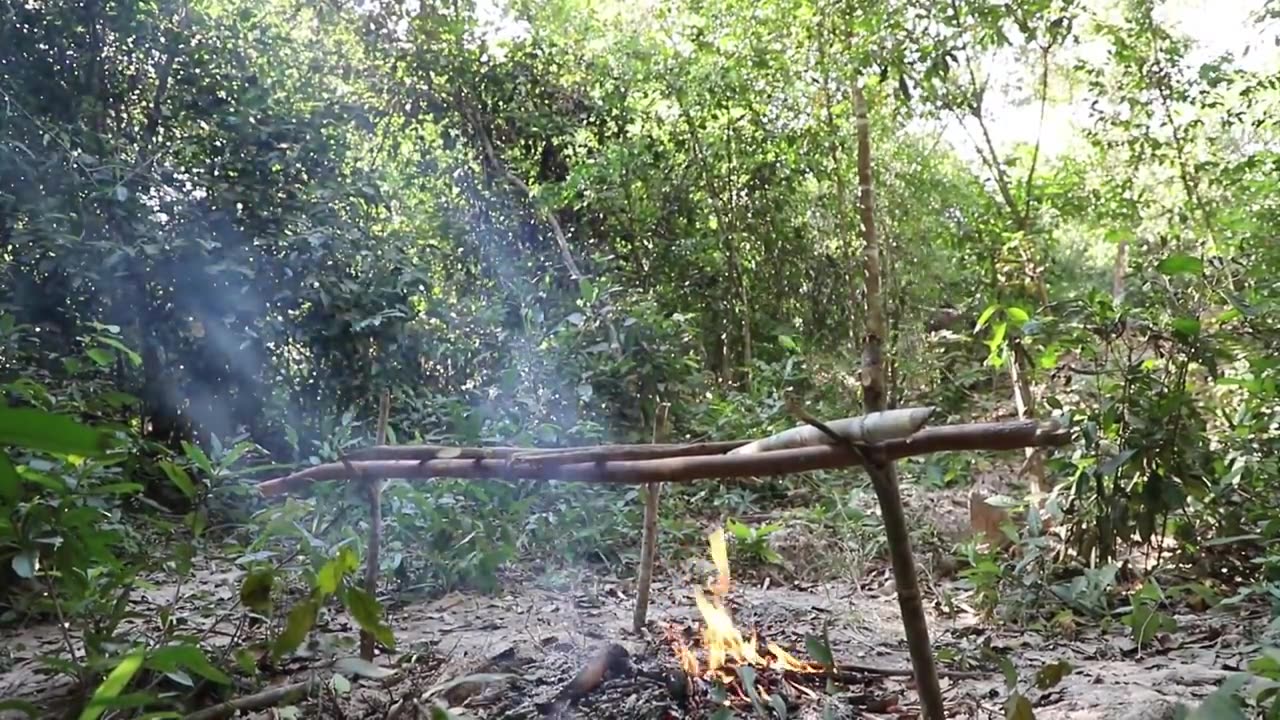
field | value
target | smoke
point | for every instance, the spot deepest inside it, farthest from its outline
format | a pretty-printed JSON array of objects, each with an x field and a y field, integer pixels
[{"x": 540, "y": 402}]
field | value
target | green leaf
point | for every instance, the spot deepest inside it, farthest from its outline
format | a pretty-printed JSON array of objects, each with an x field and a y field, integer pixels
[
  {"x": 1049, "y": 358},
  {"x": 998, "y": 332},
  {"x": 39, "y": 430},
  {"x": 740, "y": 532},
  {"x": 189, "y": 657},
  {"x": 114, "y": 684},
  {"x": 1010, "y": 673},
  {"x": 1150, "y": 592},
  {"x": 1018, "y": 707},
  {"x": 985, "y": 316},
  {"x": 255, "y": 591},
  {"x": 1146, "y": 622},
  {"x": 120, "y": 488},
  {"x": 337, "y": 569},
  {"x": 1115, "y": 463},
  {"x": 747, "y": 674},
  {"x": 1186, "y": 326},
  {"x": 1050, "y": 675},
  {"x": 134, "y": 358},
  {"x": 1118, "y": 235},
  {"x": 368, "y": 615},
  {"x": 1180, "y": 264},
  {"x": 246, "y": 661},
  {"x": 100, "y": 356},
  {"x": 361, "y": 667},
  {"x": 197, "y": 456},
  {"x": 299, "y": 622},
  {"x": 25, "y": 564},
  {"x": 819, "y": 650},
  {"x": 1267, "y": 664},
  {"x": 179, "y": 478},
  {"x": 10, "y": 483},
  {"x": 1017, "y": 314}
]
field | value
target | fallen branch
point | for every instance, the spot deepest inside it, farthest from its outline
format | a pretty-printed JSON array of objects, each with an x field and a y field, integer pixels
[
  {"x": 271, "y": 697},
  {"x": 1010, "y": 435}
]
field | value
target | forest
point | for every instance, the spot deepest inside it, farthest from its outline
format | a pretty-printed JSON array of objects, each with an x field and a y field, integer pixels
[{"x": 651, "y": 359}]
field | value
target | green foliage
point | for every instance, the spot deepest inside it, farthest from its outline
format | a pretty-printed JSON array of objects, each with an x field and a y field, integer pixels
[
  {"x": 1144, "y": 618},
  {"x": 226, "y": 227},
  {"x": 753, "y": 542},
  {"x": 1018, "y": 705}
]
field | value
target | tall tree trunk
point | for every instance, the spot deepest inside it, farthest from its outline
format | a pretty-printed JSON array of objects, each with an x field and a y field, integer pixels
[
  {"x": 884, "y": 476},
  {"x": 744, "y": 309},
  {"x": 1119, "y": 269}
]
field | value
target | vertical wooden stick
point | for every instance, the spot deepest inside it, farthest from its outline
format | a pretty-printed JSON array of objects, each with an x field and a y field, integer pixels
[
  {"x": 649, "y": 546},
  {"x": 372, "y": 562},
  {"x": 1024, "y": 401},
  {"x": 884, "y": 476}
]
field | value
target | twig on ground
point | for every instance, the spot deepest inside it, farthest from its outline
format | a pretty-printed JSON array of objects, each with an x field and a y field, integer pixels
[{"x": 271, "y": 697}]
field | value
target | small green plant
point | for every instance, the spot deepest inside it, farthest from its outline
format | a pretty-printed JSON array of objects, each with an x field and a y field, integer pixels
[
  {"x": 1019, "y": 706},
  {"x": 56, "y": 537},
  {"x": 984, "y": 575},
  {"x": 336, "y": 578},
  {"x": 753, "y": 542},
  {"x": 1145, "y": 619}
]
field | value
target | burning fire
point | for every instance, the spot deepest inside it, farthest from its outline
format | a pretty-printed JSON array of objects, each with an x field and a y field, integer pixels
[{"x": 724, "y": 646}]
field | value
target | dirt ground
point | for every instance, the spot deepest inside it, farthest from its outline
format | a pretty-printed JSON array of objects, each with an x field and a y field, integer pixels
[
  {"x": 563, "y": 621},
  {"x": 541, "y": 631}
]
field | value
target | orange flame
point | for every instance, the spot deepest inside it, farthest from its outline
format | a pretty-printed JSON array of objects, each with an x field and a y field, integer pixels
[{"x": 723, "y": 643}]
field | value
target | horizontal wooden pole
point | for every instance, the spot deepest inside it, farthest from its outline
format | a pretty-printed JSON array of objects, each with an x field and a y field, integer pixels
[
  {"x": 540, "y": 456},
  {"x": 977, "y": 436}
]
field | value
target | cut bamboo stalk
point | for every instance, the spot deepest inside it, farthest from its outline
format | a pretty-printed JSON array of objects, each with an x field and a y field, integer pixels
[{"x": 872, "y": 428}]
